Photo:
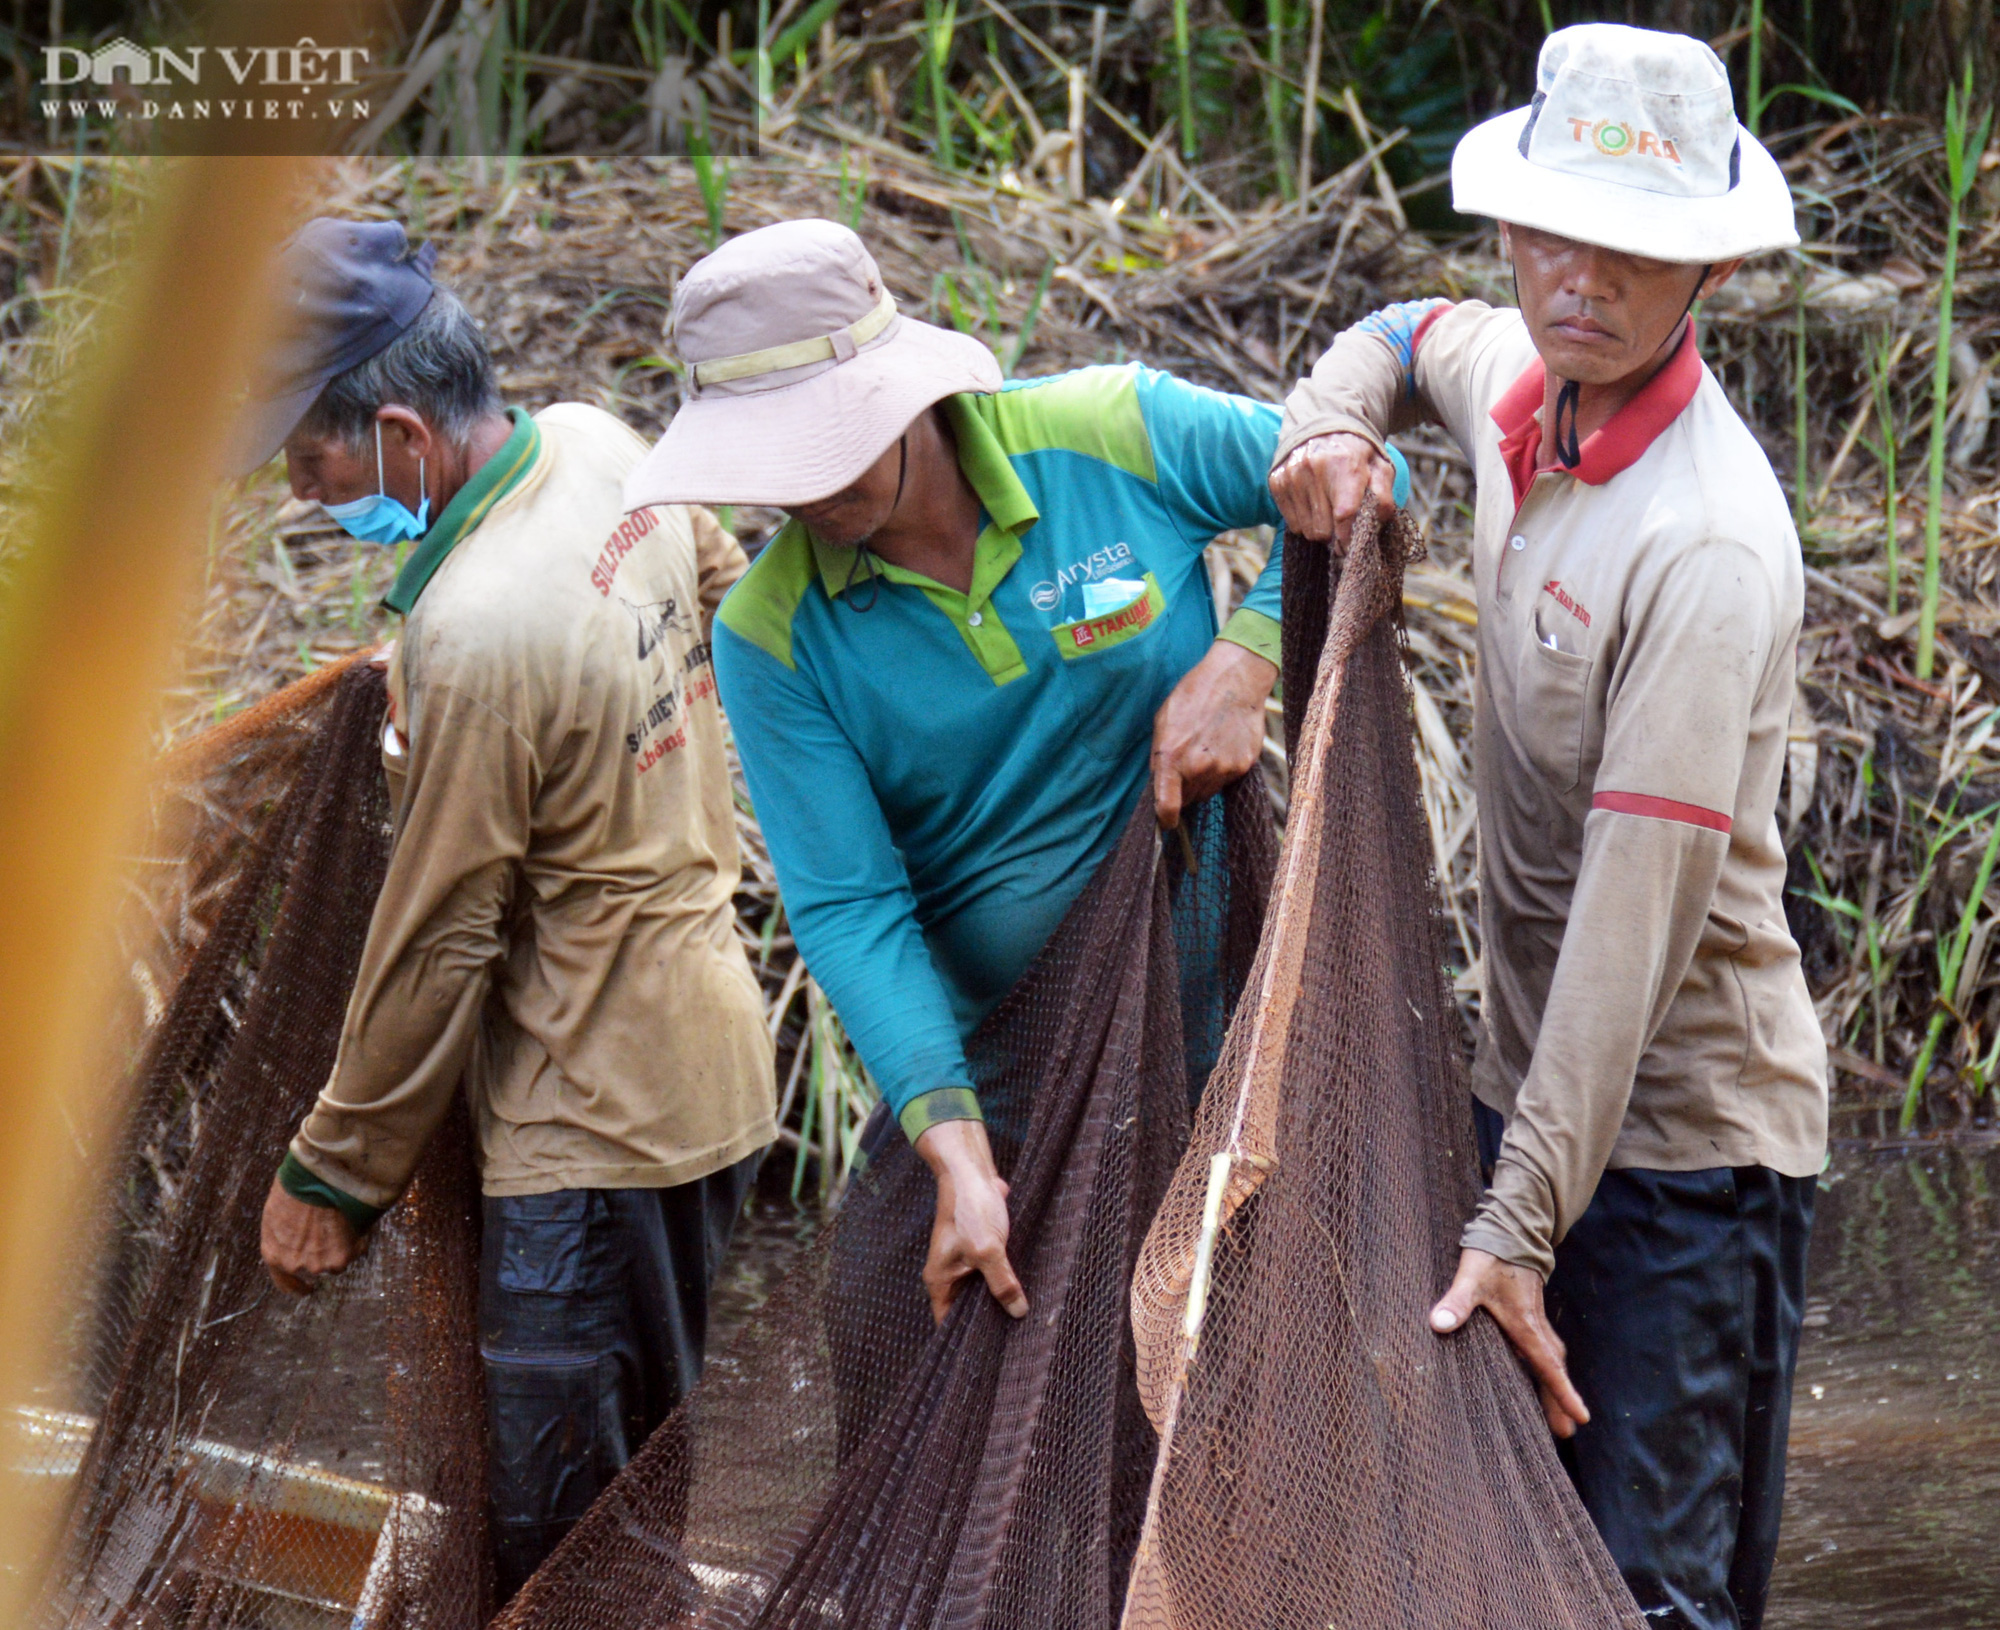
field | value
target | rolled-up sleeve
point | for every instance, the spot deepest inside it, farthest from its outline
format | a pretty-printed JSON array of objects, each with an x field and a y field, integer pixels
[{"x": 1678, "y": 712}]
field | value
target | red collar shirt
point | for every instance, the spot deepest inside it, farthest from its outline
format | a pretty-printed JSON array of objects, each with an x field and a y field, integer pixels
[{"x": 1643, "y": 1003}]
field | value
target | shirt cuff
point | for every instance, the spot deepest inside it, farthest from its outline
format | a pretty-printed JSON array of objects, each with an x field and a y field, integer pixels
[
  {"x": 301, "y": 1183},
  {"x": 1484, "y": 1234},
  {"x": 927, "y": 1109},
  {"x": 1256, "y": 633},
  {"x": 1293, "y": 436}
]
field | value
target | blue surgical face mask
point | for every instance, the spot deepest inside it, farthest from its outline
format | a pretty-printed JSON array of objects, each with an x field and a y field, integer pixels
[{"x": 378, "y": 518}]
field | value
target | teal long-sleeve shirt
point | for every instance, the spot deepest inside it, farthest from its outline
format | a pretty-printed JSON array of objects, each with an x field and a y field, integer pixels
[{"x": 938, "y": 774}]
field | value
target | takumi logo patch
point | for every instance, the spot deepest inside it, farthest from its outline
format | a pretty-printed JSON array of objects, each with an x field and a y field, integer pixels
[
  {"x": 1616, "y": 139},
  {"x": 1094, "y": 634}
]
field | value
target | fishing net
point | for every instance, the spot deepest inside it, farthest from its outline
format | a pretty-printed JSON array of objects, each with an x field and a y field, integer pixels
[
  {"x": 850, "y": 1463},
  {"x": 239, "y": 1458},
  {"x": 1329, "y": 1461},
  {"x": 1224, "y": 1408}
]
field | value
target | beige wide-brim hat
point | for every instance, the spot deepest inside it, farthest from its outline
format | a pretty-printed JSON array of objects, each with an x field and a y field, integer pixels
[
  {"x": 800, "y": 372},
  {"x": 1632, "y": 144}
]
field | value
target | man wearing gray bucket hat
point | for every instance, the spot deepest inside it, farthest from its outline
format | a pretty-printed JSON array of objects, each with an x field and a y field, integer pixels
[
  {"x": 946, "y": 673},
  {"x": 1651, "y": 1078},
  {"x": 555, "y": 934}
]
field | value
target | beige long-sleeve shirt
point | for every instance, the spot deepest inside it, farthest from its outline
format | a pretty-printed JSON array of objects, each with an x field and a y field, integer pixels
[
  {"x": 556, "y": 927},
  {"x": 1643, "y": 1000}
]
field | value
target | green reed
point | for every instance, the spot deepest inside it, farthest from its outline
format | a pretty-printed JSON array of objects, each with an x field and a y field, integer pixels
[
  {"x": 940, "y": 31},
  {"x": 1963, "y": 144},
  {"x": 1278, "y": 95},
  {"x": 1184, "y": 72},
  {"x": 1801, "y": 423},
  {"x": 1881, "y": 382},
  {"x": 1950, "y": 958}
]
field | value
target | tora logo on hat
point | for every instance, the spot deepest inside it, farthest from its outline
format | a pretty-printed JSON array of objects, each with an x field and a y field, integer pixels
[
  {"x": 1631, "y": 143},
  {"x": 1615, "y": 139}
]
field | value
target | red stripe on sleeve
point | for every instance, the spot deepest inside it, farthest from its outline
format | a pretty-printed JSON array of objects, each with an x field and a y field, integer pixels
[{"x": 1661, "y": 809}]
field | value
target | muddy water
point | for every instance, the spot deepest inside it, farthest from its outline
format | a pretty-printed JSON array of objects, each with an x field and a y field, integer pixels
[{"x": 1892, "y": 1521}]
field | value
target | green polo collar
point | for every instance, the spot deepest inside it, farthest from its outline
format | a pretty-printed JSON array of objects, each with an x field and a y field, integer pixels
[
  {"x": 1006, "y": 502},
  {"x": 1010, "y": 512},
  {"x": 489, "y": 484}
]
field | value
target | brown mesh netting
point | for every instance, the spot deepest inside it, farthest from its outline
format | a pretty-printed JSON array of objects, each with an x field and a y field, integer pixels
[
  {"x": 1330, "y": 1461},
  {"x": 239, "y": 1458},
  {"x": 851, "y": 1464},
  {"x": 1259, "y": 1293}
]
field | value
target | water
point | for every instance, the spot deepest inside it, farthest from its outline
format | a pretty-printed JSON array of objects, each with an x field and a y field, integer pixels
[
  {"x": 1892, "y": 1520},
  {"x": 768, "y": 1239}
]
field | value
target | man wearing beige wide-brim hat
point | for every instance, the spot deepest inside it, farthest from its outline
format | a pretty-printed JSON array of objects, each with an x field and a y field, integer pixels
[
  {"x": 1651, "y": 1079},
  {"x": 986, "y": 634}
]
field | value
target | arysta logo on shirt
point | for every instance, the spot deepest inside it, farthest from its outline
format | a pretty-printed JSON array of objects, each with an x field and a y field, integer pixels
[
  {"x": 616, "y": 547},
  {"x": 1047, "y": 595}
]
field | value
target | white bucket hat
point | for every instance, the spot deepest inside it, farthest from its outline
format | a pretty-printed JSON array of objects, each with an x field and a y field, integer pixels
[
  {"x": 800, "y": 372},
  {"x": 1631, "y": 144}
]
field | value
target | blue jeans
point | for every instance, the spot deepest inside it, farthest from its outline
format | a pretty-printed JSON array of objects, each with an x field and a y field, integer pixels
[
  {"x": 1679, "y": 1296},
  {"x": 593, "y": 1313}
]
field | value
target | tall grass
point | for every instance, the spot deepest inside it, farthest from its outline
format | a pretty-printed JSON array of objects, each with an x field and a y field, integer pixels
[
  {"x": 1801, "y": 419},
  {"x": 940, "y": 31},
  {"x": 1277, "y": 94},
  {"x": 840, "y": 1096},
  {"x": 1753, "y": 97},
  {"x": 1963, "y": 145},
  {"x": 1184, "y": 73},
  {"x": 711, "y": 175},
  {"x": 1882, "y": 354},
  {"x": 1950, "y": 959}
]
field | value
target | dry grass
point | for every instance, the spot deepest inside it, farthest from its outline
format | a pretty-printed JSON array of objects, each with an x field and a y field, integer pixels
[{"x": 569, "y": 265}]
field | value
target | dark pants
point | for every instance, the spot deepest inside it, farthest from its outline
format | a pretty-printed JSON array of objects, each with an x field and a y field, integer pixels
[
  {"x": 593, "y": 1312},
  {"x": 1679, "y": 1296}
]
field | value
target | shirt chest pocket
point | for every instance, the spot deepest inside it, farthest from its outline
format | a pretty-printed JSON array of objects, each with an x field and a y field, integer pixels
[
  {"x": 1553, "y": 695},
  {"x": 1132, "y": 609}
]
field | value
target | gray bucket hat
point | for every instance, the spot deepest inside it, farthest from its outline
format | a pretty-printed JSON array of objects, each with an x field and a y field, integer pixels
[{"x": 800, "y": 372}]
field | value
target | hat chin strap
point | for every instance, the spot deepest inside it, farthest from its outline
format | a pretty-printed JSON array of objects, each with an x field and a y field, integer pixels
[
  {"x": 1568, "y": 452},
  {"x": 861, "y": 553}
]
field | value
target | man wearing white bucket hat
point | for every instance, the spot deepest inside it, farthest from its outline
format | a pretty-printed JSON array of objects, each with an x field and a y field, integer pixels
[
  {"x": 1648, "y": 1046},
  {"x": 946, "y": 673}
]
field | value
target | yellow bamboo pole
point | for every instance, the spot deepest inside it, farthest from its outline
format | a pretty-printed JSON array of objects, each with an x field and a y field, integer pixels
[{"x": 88, "y": 632}]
